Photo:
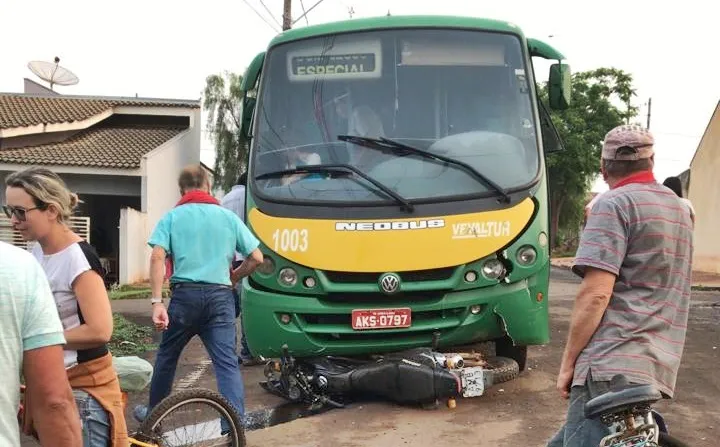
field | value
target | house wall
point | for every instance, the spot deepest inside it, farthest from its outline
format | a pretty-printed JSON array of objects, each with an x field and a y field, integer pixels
[
  {"x": 705, "y": 197},
  {"x": 134, "y": 251},
  {"x": 160, "y": 192},
  {"x": 161, "y": 168}
]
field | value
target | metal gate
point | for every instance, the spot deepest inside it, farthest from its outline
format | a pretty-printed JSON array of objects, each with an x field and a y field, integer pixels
[{"x": 79, "y": 224}]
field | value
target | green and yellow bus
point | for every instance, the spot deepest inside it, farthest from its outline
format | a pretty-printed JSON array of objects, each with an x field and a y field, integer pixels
[{"x": 398, "y": 186}]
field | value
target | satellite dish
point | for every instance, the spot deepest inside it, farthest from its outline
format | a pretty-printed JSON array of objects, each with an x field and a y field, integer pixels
[{"x": 53, "y": 72}]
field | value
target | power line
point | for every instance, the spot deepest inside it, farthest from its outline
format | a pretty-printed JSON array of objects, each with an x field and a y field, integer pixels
[
  {"x": 261, "y": 16},
  {"x": 270, "y": 12},
  {"x": 302, "y": 5},
  {"x": 306, "y": 13}
]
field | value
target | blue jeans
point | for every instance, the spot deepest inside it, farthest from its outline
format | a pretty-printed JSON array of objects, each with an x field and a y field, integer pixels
[
  {"x": 244, "y": 349},
  {"x": 208, "y": 311},
  {"x": 94, "y": 420},
  {"x": 577, "y": 430}
]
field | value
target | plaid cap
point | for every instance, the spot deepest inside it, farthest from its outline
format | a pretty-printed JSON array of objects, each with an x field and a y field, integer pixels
[{"x": 638, "y": 140}]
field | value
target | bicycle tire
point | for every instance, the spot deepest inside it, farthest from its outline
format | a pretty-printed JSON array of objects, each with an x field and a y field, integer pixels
[
  {"x": 665, "y": 440},
  {"x": 177, "y": 400}
]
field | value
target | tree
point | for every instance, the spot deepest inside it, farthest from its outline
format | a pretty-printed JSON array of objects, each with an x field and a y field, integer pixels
[
  {"x": 582, "y": 127},
  {"x": 223, "y": 99}
]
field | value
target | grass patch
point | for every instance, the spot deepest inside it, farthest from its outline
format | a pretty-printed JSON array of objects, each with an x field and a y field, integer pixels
[
  {"x": 132, "y": 293},
  {"x": 129, "y": 338}
]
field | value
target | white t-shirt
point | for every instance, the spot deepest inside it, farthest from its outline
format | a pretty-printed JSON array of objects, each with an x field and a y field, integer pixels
[
  {"x": 61, "y": 269},
  {"x": 689, "y": 205},
  {"x": 235, "y": 202},
  {"x": 28, "y": 320}
]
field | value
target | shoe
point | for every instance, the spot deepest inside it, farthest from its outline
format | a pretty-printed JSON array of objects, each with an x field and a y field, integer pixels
[
  {"x": 253, "y": 361},
  {"x": 140, "y": 413}
]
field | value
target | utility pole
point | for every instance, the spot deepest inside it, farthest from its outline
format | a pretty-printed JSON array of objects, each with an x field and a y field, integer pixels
[
  {"x": 287, "y": 17},
  {"x": 648, "y": 116}
]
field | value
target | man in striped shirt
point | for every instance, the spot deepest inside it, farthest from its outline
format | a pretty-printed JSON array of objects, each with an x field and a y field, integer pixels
[{"x": 630, "y": 315}]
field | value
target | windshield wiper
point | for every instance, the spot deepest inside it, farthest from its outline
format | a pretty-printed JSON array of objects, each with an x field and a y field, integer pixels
[
  {"x": 344, "y": 169},
  {"x": 396, "y": 146}
]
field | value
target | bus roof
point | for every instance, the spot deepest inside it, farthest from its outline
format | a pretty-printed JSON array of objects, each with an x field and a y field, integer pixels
[{"x": 424, "y": 21}]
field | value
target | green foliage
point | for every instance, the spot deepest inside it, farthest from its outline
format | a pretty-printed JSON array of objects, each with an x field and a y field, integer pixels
[
  {"x": 129, "y": 338},
  {"x": 223, "y": 98},
  {"x": 601, "y": 100},
  {"x": 134, "y": 293}
]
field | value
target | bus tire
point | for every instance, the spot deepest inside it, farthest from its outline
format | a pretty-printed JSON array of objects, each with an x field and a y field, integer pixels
[{"x": 504, "y": 347}]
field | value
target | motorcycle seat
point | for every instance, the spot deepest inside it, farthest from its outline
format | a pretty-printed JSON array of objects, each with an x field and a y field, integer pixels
[{"x": 622, "y": 399}]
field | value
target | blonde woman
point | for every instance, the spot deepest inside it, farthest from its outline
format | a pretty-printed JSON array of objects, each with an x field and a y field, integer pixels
[{"x": 39, "y": 206}]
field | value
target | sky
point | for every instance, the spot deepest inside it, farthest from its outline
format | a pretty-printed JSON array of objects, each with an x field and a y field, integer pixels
[{"x": 165, "y": 49}]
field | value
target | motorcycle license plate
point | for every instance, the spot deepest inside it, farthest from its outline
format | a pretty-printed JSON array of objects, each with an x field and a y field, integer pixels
[
  {"x": 364, "y": 319},
  {"x": 472, "y": 380}
]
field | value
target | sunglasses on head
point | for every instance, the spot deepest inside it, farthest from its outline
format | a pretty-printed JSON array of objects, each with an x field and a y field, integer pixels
[{"x": 19, "y": 212}]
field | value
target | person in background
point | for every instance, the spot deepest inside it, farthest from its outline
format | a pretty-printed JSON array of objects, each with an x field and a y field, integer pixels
[
  {"x": 202, "y": 238},
  {"x": 631, "y": 311},
  {"x": 41, "y": 206},
  {"x": 675, "y": 185},
  {"x": 235, "y": 202},
  {"x": 31, "y": 336}
]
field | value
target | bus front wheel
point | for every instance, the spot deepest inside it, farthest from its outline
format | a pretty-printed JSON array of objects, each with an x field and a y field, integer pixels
[{"x": 504, "y": 348}]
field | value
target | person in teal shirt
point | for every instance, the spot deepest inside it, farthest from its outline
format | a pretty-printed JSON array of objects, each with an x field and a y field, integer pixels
[{"x": 201, "y": 238}]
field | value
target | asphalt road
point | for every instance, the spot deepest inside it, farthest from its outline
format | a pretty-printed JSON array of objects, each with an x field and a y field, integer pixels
[{"x": 521, "y": 413}]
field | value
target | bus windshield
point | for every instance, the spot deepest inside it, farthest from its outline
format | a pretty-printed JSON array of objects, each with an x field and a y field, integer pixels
[{"x": 460, "y": 94}]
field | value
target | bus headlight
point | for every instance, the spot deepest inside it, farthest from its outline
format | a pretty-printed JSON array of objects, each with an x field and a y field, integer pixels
[
  {"x": 267, "y": 267},
  {"x": 493, "y": 269},
  {"x": 287, "y": 277},
  {"x": 542, "y": 239},
  {"x": 526, "y": 255}
]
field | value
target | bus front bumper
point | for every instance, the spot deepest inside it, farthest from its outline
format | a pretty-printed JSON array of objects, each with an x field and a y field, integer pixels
[{"x": 315, "y": 326}]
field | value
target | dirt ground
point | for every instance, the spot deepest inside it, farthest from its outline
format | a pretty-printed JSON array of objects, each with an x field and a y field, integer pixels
[{"x": 522, "y": 413}]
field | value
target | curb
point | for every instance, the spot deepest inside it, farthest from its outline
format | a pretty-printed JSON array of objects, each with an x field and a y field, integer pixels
[{"x": 695, "y": 287}]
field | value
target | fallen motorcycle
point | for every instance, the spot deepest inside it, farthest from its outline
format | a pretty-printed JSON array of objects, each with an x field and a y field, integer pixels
[{"x": 414, "y": 377}]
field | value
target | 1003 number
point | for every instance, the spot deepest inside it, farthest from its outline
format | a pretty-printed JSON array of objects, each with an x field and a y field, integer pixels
[{"x": 290, "y": 240}]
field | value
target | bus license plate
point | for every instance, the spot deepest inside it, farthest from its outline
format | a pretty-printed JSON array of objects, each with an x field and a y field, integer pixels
[{"x": 363, "y": 319}]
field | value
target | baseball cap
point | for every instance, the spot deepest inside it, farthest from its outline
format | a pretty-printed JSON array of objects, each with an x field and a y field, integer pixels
[{"x": 631, "y": 136}]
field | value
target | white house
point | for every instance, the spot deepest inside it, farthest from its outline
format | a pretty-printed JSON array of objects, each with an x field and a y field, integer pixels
[
  {"x": 704, "y": 193},
  {"x": 121, "y": 156}
]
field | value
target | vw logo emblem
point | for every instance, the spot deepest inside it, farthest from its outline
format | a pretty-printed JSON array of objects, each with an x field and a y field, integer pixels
[{"x": 389, "y": 283}]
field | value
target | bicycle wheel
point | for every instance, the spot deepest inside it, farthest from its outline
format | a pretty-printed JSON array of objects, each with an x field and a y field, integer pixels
[
  {"x": 666, "y": 440},
  {"x": 225, "y": 430}
]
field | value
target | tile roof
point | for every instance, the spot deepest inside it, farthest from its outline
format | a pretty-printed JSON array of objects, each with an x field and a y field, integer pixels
[
  {"x": 22, "y": 110},
  {"x": 101, "y": 147}
]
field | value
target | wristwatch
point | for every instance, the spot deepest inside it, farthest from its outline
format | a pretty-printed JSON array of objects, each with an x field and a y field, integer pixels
[{"x": 156, "y": 300}]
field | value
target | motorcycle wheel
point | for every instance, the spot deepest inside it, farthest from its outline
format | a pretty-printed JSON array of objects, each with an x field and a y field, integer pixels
[{"x": 503, "y": 369}]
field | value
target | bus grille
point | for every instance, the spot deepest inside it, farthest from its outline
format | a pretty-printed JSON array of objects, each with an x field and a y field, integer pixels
[{"x": 440, "y": 274}]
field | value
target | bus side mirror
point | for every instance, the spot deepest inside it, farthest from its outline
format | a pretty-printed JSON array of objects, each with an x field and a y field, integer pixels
[
  {"x": 247, "y": 113},
  {"x": 559, "y": 86}
]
